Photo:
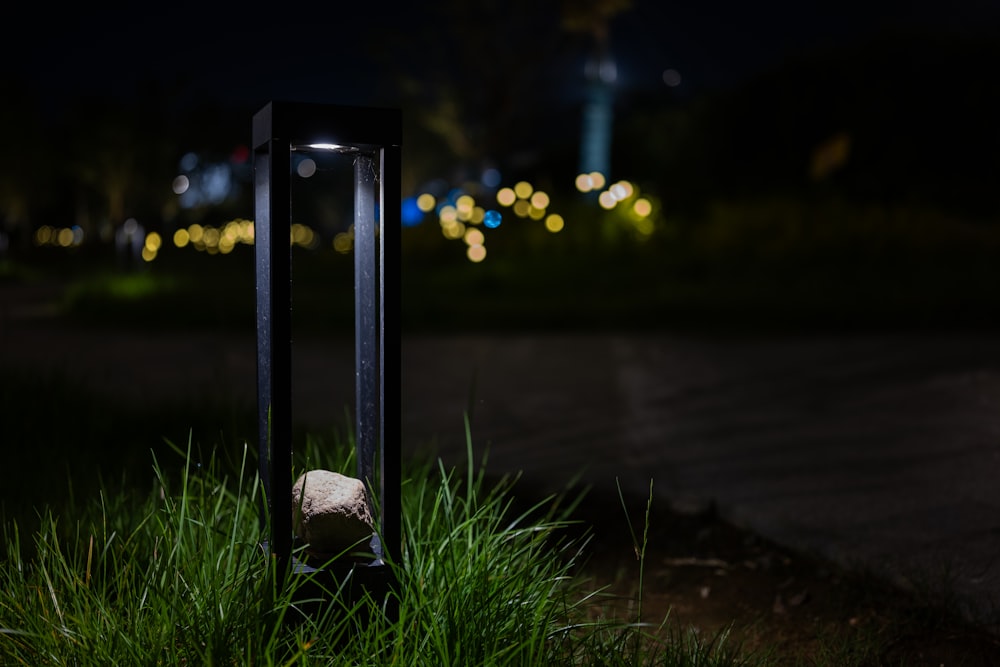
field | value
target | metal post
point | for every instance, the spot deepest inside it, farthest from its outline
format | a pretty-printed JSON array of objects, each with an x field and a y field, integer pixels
[{"x": 372, "y": 137}]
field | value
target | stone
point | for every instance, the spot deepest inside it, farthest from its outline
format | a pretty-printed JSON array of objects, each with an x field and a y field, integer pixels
[{"x": 330, "y": 513}]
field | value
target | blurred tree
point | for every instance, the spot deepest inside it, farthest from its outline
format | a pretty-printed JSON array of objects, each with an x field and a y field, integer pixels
[
  {"x": 488, "y": 80},
  {"x": 121, "y": 158},
  {"x": 24, "y": 178}
]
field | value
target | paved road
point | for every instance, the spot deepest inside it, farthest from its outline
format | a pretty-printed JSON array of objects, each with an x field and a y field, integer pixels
[{"x": 879, "y": 450}]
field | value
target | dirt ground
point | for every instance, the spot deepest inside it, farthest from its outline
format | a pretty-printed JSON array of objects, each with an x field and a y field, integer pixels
[{"x": 702, "y": 574}]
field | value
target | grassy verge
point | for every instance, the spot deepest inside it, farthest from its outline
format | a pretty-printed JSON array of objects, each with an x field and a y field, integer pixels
[{"x": 176, "y": 576}]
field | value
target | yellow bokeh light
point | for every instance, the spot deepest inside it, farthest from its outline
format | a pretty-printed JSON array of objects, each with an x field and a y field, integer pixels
[
  {"x": 607, "y": 200},
  {"x": 448, "y": 214},
  {"x": 210, "y": 237},
  {"x": 584, "y": 183},
  {"x": 474, "y": 237},
  {"x": 153, "y": 241},
  {"x": 535, "y": 213},
  {"x": 506, "y": 196},
  {"x": 540, "y": 200},
  {"x": 621, "y": 190},
  {"x": 464, "y": 206},
  {"x": 181, "y": 238},
  {"x": 196, "y": 232},
  {"x": 43, "y": 235},
  {"x": 426, "y": 202},
  {"x": 642, "y": 207},
  {"x": 453, "y": 230},
  {"x": 554, "y": 223},
  {"x": 597, "y": 179},
  {"x": 478, "y": 214},
  {"x": 343, "y": 242},
  {"x": 65, "y": 237},
  {"x": 148, "y": 254},
  {"x": 523, "y": 189},
  {"x": 522, "y": 208},
  {"x": 476, "y": 253}
]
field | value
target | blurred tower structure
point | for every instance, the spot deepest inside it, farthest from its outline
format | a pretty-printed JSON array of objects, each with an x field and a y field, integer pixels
[
  {"x": 593, "y": 20},
  {"x": 598, "y": 112}
]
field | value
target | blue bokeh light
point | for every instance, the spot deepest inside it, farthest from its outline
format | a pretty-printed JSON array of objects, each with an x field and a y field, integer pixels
[
  {"x": 492, "y": 219},
  {"x": 411, "y": 214}
]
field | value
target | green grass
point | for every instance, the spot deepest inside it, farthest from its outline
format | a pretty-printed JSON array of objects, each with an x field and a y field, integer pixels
[{"x": 176, "y": 576}]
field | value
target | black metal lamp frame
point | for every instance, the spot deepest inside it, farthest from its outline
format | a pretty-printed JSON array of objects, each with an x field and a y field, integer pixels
[{"x": 372, "y": 137}]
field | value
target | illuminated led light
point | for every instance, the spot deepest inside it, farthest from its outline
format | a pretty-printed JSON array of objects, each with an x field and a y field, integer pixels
[
  {"x": 43, "y": 235},
  {"x": 447, "y": 213},
  {"x": 478, "y": 213},
  {"x": 474, "y": 237},
  {"x": 492, "y": 219},
  {"x": 148, "y": 255},
  {"x": 597, "y": 179},
  {"x": 476, "y": 253},
  {"x": 554, "y": 223},
  {"x": 522, "y": 208},
  {"x": 642, "y": 207},
  {"x": 523, "y": 189},
  {"x": 607, "y": 200},
  {"x": 506, "y": 196},
  {"x": 535, "y": 213},
  {"x": 181, "y": 238},
  {"x": 540, "y": 200},
  {"x": 196, "y": 232},
  {"x": 426, "y": 202},
  {"x": 584, "y": 183},
  {"x": 327, "y": 147}
]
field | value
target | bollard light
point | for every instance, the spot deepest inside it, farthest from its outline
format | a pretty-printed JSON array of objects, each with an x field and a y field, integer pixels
[{"x": 372, "y": 136}]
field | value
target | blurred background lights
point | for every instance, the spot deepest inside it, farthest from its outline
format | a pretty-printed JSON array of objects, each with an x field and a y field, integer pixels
[
  {"x": 411, "y": 214},
  {"x": 491, "y": 177},
  {"x": 492, "y": 219},
  {"x": 343, "y": 242},
  {"x": 181, "y": 184},
  {"x": 554, "y": 223},
  {"x": 448, "y": 214},
  {"x": 642, "y": 207},
  {"x": 476, "y": 253},
  {"x": 306, "y": 167},
  {"x": 506, "y": 196},
  {"x": 474, "y": 237},
  {"x": 426, "y": 202},
  {"x": 590, "y": 182},
  {"x": 523, "y": 189}
]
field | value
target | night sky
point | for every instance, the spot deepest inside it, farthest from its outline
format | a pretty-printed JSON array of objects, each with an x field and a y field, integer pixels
[{"x": 352, "y": 53}]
